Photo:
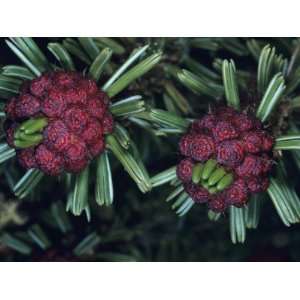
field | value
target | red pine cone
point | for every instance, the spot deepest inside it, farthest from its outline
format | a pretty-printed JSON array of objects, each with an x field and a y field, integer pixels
[
  {"x": 239, "y": 144},
  {"x": 77, "y": 115}
]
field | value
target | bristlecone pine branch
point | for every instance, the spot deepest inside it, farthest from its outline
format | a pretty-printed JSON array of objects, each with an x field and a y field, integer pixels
[
  {"x": 233, "y": 156},
  {"x": 69, "y": 123},
  {"x": 60, "y": 121}
]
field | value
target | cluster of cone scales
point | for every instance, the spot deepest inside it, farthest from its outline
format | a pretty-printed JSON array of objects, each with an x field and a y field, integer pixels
[
  {"x": 227, "y": 158},
  {"x": 58, "y": 122}
]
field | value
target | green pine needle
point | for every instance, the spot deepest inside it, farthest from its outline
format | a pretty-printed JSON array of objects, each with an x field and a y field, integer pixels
[
  {"x": 104, "y": 192},
  {"x": 6, "y": 152},
  {"x": 89, "y": 46},
  {"x": 164, "y": 177},
  {"x": 38, "y": 236},
  {"x": 169, "y": 120},
  {"x": 213, "y": 216},
  {"x": 288, "y": 142},
  {"x": 175, "y": 193},
  {"x": 265, "y": 66},
  {"x": 201, "y": 70},
  {"x": 137, "y": 53},
  {"x": 62, "y": 55},
  {"x": 79, "y": 200},
  {"x": 75, "y": 49},
  {"x": 230, "y": 84},
  {"x": 122, "y": 136},
  {"x": 29, "y": 53},
  {"x": 237, "y": 224},
  {"x": 99, "y": 63},
  {"x": 254, "y": 47},
  {"x": 178, "y": 99},
  {"x": 199, "y": 85},
  {"x": 10, "y": 85},
  {"x": 279, "y": 193},
  {"x": 15, "y": 244},
  {"x": 87, "y": 244},
  {"x": 62, "y": 219},
  {"x": 271, "y": 97},
  {"x": 139, "y": 70},
  {"x": 129, "y": 163},
  {"x": 252, "y": 211},
  {"x": 115, "y": 46},
  {"x": 27, "y": 183},
  {"x": 17, "y": 72},
  {"x": 128, "y": 107}
]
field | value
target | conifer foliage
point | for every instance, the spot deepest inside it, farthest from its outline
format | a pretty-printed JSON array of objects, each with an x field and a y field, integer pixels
[{"x": 205, "y": 124}]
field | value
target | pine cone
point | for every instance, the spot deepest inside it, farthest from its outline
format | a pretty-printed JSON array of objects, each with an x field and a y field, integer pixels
[
  {"x": 238, "y": 145},
  {"x": 77, "y": 118}
]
